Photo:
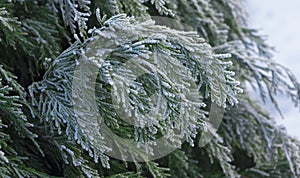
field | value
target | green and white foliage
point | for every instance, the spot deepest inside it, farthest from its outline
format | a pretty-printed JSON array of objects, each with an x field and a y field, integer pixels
[
  {"x": 31, "y": 29},
  {"x": 159, "y": 51},
  {"x": 75, "y": 13},
  {"x": 45, "y": 43},
  {"x": 157, "y": 48},
  {"x": 14, "y": 127}
]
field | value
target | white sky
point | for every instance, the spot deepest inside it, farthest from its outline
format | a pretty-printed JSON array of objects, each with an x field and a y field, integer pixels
[{"x": 280, "y": 21}]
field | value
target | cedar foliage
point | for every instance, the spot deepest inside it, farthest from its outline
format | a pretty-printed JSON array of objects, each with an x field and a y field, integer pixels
[{"x": 43, "y": 41}]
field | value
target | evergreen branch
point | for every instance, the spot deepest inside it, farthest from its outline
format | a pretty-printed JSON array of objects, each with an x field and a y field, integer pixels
[
  {"x": 144, "y": 108},
  {"x": 13, "y": 33},
  {"x": 75, "y": 14},
  {"x": 277, "y": 144},
  {"x": 223, "y": 155},
  {"x": 12, "y": 99}
]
